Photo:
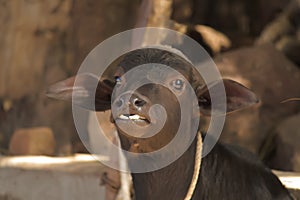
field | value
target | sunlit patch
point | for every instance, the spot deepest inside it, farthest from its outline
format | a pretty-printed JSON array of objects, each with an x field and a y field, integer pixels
[
  {"x": 291, "y": 182},
  {"x": 35, "y": 161}
]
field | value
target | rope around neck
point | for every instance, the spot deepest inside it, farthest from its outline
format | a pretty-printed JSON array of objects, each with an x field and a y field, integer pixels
[{"x": 197, "y": 166}]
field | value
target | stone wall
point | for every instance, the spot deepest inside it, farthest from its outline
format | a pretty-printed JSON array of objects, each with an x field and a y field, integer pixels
[{"x": 42, "y": 42}]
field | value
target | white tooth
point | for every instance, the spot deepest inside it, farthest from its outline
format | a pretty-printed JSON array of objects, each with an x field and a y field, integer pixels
[
  {"x": 133, "y": 117},
  {"x": 123, "y": 117}
]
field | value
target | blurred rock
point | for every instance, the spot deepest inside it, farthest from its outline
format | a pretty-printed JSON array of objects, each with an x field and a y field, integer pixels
[
  {"x": 31, "y": 45},
  {"x": 241, "y": 20},
  {"x": 51, "y": 178},
  {"x": 212, "y": 40},
  {"x": 32, "y": 141},
  {"x": 273, "y": 78},
  {"x": 287, "y": 149},
  {"x": 25, "y": 39},
  {"x": 42, "y": 42},
  {"x": 182, "y": 10},
  {"x": 158, "y": 14},
  {"x": 284, "y": 31},
  {"x": 95, "y": 21}
]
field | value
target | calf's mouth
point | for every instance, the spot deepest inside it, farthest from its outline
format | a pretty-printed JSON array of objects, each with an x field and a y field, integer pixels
[{"x": 137, "y": 118}]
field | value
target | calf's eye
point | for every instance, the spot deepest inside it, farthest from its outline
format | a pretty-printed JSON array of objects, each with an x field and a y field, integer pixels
[
  {"x": 118, "y": 79},
  {"x": 178, "y": 84}
]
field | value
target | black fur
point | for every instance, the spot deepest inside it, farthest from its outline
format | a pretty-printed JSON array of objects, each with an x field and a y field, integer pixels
[{"x": 227, "y": 173}]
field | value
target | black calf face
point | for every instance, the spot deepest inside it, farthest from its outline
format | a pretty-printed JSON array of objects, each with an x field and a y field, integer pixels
[
  {"x": 137, "y": 107},
  {"x": 133, "y": 107}
]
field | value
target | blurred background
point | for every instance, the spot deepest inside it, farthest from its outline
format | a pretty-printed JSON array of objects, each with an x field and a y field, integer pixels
[{"x": 254, "y": 42}]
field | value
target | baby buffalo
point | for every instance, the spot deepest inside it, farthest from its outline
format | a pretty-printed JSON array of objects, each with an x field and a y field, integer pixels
[{"x": 227, "y": 172}]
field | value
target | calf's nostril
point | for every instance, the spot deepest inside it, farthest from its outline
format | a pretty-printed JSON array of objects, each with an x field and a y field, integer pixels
[{"x": 119, "y": 102}]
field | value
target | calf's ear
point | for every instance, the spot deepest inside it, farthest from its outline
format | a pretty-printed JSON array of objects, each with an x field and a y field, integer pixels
[
  {"x": 82, "y": 92},
  {"x": 237, "y": 96}
]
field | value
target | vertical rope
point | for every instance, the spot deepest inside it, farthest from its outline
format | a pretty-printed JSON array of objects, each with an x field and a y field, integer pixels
[{"x": 197, "y": 166}]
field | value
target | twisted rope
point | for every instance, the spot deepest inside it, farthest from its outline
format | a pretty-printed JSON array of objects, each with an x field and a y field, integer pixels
[{"x": 197, "y": 166}]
